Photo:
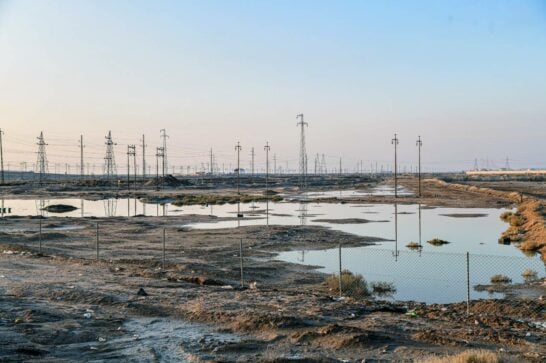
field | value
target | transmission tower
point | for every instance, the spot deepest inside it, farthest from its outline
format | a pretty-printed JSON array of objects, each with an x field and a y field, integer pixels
[
  {"x": 164, "y": 136},
  {"x": 303, "y": 152},
  {"x": 109, "y": 159},
  {"x": 274, "y": 163},
  {"x": 507, "y": 164},
  {"x": 323, "y": 165},
  {"x": 476, "y": 167},
  {"x": 41, "y": 163},
  {"x": 1, "y": 159}
]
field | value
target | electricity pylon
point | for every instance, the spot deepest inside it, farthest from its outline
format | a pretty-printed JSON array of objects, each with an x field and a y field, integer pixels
[
  {"x": 109, "y": 159},
  {"x": 41, "y": 163},
  {"x": 419, "y": 144}
]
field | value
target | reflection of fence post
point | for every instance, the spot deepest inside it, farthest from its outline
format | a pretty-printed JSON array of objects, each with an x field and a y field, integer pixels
[
  {"x": 467, "y": 283},
  {"x": 241, "y": 257},
  {"x": 163, "y": 248},
  {"x": 97, "y": 241},
  {"x": 40, "y": 236},
  {"x": 340, "y": 288}
]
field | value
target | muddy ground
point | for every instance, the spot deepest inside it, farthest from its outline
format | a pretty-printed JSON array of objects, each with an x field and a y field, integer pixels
[{"x": 64, "y": 305}]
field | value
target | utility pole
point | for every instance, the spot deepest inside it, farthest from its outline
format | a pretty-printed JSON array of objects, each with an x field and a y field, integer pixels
[
  {"x": 131, "y": 151},
  {"x": 252, "y": 163},
  {"x": 419, "y": 144},
  {"x": 164, "y": 136},
  {"x": 238, "y": 149},
  {"x": 110, "y": 162},
  {"x": 1, "y": 159},
  {"x": 159, "y": 154},
  {"x": 41, "y": 163},
  {"x": 395, "y": 143},
  {"x": 340, "y": 167},
  {"x": 211, "y": 163},
  {"x": 274, "y": 163},
  {"x": 82, "y": 171},
  {"x": 303, "y": 152},
  {"x": 267, "y": 148},
  {"x": 143, "y": 158}
]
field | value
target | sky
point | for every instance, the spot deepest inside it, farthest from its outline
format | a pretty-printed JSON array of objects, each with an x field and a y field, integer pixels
[{"x": 467, "y": 76}]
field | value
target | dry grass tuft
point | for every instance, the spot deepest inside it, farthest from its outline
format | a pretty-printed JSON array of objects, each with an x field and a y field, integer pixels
[
  {"x": 352, "y": 285},
  {"x": 470, "y": 356},
  {"x": 500, "y": 279}
]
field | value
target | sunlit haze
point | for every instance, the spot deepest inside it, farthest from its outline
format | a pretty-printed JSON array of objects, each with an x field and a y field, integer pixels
[{"x": 468, "y": 76}]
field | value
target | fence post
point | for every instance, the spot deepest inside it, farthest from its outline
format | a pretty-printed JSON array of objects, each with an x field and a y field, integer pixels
[
  {"x": 467, "y": 283},
  {"x": 40, "y": 236},
  {"x": 163, "y": 248},
  {"x": 340, "y": 288},
  {"x": 97, "y": 241},
  {"x": 241, "y": 256}
]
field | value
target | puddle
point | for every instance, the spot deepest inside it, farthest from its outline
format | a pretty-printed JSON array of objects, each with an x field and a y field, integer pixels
[{"x": 424, "y": 277}]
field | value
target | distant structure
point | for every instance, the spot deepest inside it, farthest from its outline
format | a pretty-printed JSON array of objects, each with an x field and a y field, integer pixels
[
  {"x": 507, "y": 164},
  {"x": 303, "y": 152},
  {"x": 41, "y": 163},
  {"x": 476, "y": 167},
  {"x": 109, "y": 159},
  {"x": 143, "y": 157},
  {"x": 2, "y": 180},
  {"x": 82, "y": 167},
  {"x": 164, "y": 136}
]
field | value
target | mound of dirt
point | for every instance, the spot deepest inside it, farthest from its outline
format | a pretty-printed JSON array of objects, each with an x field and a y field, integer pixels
[{"x": 59, "y": 208}]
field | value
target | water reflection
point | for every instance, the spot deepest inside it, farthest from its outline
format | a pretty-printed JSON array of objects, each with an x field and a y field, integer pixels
[
  {"x": 110, "y": 206},
  {"x": 396, "y": 252}
]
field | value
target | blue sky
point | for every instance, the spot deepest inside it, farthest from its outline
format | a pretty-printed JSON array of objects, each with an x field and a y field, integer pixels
[{"x": 469, "y": 76}]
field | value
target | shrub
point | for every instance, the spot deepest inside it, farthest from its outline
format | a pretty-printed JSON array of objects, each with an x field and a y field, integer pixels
[
  {"x": 514, "y": 219},
  {"x": 500, "y": 279},
  {"x": 383, "y": 288},
  {"x": 353, "y": 285},
  {"x": 529, "y": 275},
  {"x": 437, "y": 242},
  {"x": 413, "y": 246},
  {"x": 505, "y": 216},
  {"x": 470, "y": 356}
]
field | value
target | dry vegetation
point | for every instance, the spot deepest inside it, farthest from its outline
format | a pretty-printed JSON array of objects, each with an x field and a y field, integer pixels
[
  {"x": 352, "y": 285},
  {"x": 470, "y": 356}
]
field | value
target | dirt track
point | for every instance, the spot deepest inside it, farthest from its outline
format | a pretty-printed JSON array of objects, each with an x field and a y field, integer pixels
[{"x": 290, "y": 316}]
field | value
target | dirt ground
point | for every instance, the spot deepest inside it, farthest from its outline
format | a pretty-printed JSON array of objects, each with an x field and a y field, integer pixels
[{"x": 64, "y": 305}]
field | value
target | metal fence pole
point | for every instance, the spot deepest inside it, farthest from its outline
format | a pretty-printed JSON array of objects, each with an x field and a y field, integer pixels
[
  {"x": 340, "y": 288},
  {"x": 40, "y": 236},
  {"x": 163, "y": 248},
  {"x": 241, "y": 256},
  {"x": 97, "y": 241},
  {"x": 467, "y": 283}
]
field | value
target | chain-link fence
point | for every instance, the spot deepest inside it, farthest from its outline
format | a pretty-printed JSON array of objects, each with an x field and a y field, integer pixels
[
  {"x": 355, "y": 272},
  {"x": 430, "y": 277}
]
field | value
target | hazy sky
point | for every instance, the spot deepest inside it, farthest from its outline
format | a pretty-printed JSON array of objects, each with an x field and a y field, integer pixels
[{"x": 469, "y": 76}]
